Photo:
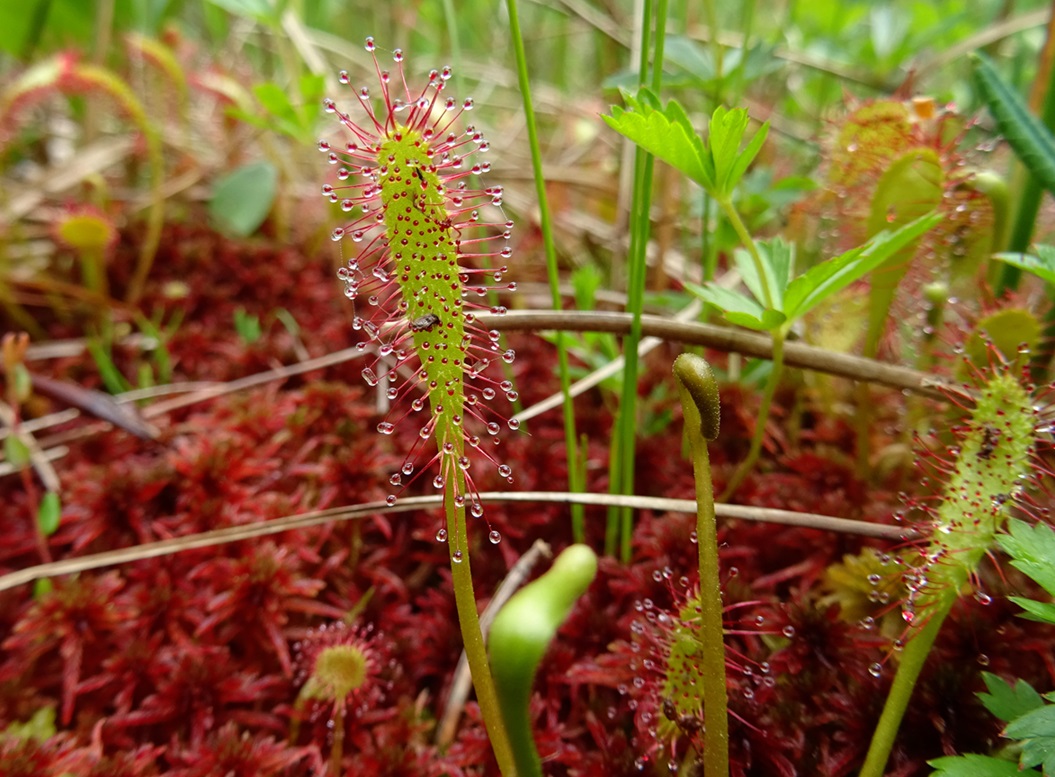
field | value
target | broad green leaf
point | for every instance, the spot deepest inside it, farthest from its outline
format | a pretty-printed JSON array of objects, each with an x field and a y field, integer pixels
[
  {"x": 242, "y": 199},
  {"x": 1032, "y": 550},
  {"x": 824, "y": 279},
  {"x": 275, "y": 101},
  {"x": 977, "y": 766},
  {"x": 1037, "y": 728},
  {"x": 691, "y": 55},
  {"x": 666, "y": 135},
  {"x": 1008, "y": 702},
  {"x": 1042, "y": 265},
  {"x": 1025, "y": 133},
  {"x": 49, "y": 513},
  {"x": 312, "y": 90},
  {"x": 738, "y": 308}
]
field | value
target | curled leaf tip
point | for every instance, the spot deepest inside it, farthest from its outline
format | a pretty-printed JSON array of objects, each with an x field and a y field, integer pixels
[{"x": 697, "y": 380}]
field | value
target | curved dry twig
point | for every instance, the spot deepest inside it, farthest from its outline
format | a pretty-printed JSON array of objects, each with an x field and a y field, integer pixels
[
  {"x": 729, "y": 339},
  {"x": 305, "y": 520}
]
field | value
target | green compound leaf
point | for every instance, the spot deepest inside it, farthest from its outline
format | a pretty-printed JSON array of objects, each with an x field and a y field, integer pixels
[
  {"x": 1032, "y": 551},
  {"x": 242, "y": 199},
  {"x": 977, "y": 766},
  {"x": 829, "y": 277},
  {"x": 1037, "y": 728},
  {"x": 668, "y": 134},
  {"x": 1042, "y": 265},
  {"x": 1008, "y": 702},
  {"x": 738, "y": 308},
  {"x": 1027, "y": 136}
]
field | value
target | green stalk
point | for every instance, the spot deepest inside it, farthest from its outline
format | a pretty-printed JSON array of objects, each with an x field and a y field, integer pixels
[
  {"x": 469, "y": 622},
  {"x": 913, "y": 658},
  {"x": 100, "y": 78},
  {"x": 641, "y": 201},
  {"x": 576, "y": 480},
  {"x": 778, "y": 351},
  {"x": 749, "y": 243},
  {"x": 776, "y": 371},
  {"x": 992, "y": 462},
  {"x": 699, "y": 400}
]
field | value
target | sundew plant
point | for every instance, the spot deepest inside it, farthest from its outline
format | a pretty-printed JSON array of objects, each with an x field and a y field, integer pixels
[
  {"x": 407, "y": 179},
  {"x": 409, "y": 182}
]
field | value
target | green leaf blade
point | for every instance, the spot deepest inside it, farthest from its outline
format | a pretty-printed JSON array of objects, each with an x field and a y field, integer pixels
[
  {"x": 242, "y": 199},
  {"x": 666, "y": 135},
  {"x": 738, "y": 308},
  {"x": 1025, "y": 133},
  {"x": 829, "y": 277},
  {"x": 972, "y": 765},
  {"x": 1007, "y": 701}
]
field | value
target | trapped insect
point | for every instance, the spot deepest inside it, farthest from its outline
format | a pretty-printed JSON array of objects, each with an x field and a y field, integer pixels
[{"x": 425, "y": 323}]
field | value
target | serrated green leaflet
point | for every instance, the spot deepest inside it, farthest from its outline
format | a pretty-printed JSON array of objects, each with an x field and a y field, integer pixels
[
  {"x": 977, "y": 766},
  {"x": 667, "y": 137},
  {"x": 821, "y": 281},
  {"x": 1037, "y": 728},
  {"x": 796, "y": 298},
  {"x": 1032, "y": 551},
  {"x": 1008, "y": 702}
]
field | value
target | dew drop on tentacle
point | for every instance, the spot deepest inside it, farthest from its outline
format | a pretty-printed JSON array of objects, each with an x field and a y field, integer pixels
[{"x": 441, "y": 535}]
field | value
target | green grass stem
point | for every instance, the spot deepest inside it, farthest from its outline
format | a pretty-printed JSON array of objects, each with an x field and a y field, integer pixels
[{"x": 576, "y": 479}]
